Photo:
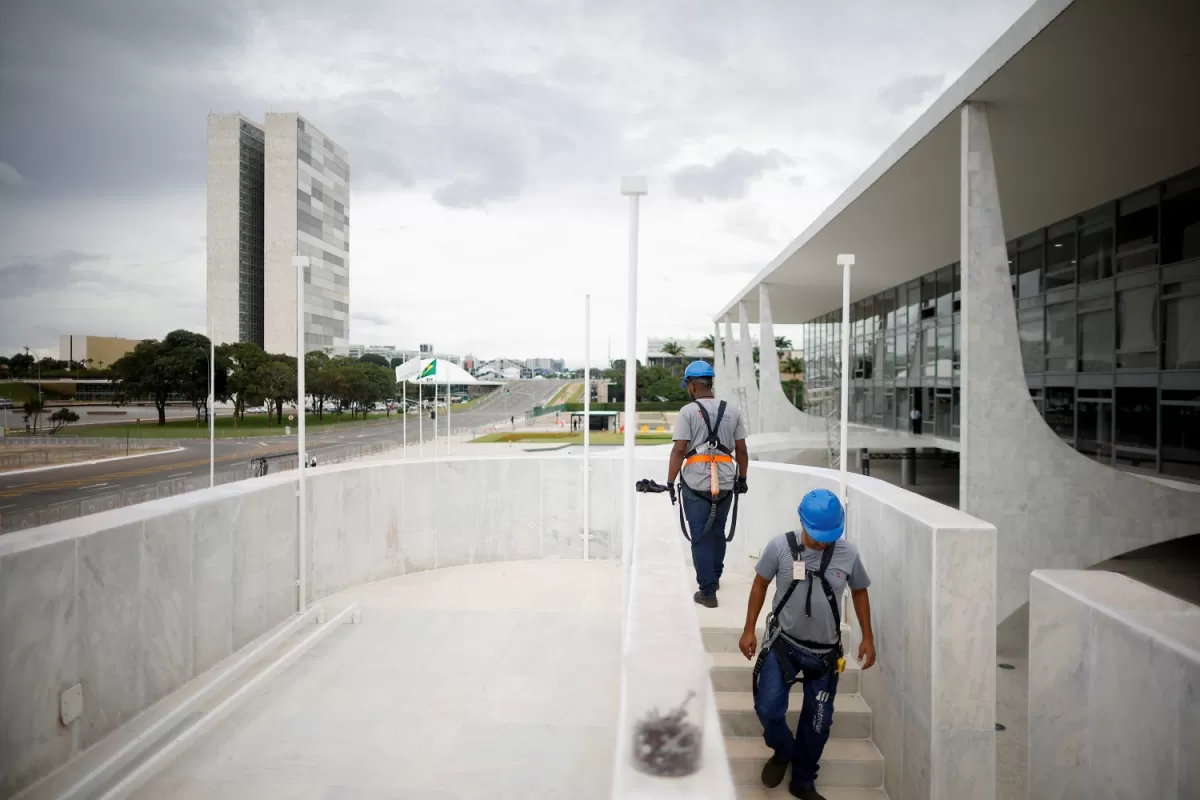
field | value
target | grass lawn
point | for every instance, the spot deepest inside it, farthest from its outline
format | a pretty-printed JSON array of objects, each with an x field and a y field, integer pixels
[
  {"x": 254, "y": 425},
  {"x": 571, "y": 393},
  {"x": 566, "y": 437}
]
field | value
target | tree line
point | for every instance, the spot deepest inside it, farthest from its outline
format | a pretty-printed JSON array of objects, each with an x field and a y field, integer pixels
[{"x": 177, "y": 368}]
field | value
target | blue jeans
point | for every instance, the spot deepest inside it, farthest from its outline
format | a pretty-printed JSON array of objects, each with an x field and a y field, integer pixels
[
  {"x": 805, "y": 748},
  {"x": 708, "y": 552}
]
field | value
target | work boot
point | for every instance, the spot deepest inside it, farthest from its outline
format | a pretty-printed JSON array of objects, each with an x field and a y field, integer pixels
[
  {"x": 706, "y": 600},
  {"x": 807, "y": 792},
  {"x": 773, "y": 771}
]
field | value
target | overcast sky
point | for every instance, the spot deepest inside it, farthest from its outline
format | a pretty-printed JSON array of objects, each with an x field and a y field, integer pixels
[{"x": 486, "y": 144}]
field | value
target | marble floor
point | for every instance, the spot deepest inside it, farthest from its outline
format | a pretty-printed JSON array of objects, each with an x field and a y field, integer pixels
[{"x": 497, "y": 681}]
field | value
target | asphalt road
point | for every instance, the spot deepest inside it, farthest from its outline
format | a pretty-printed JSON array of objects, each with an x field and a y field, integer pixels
[{"x": 24, "y": 491}]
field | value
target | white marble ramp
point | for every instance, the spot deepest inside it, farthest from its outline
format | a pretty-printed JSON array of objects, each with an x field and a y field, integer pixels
[{"x": 496, "y": 680}]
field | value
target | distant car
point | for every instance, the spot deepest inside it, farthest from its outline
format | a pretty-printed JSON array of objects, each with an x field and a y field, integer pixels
[
  {"x": 5, "y": 402},
  {"x": 256, "y": 410}
]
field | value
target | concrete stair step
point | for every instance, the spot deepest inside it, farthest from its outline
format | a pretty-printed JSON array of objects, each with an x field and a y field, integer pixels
[
  {"x": 851, "y": 716},
  {"x": 731, "y": 672},
  {"x": 830, "y": 792},
  {"x": 845, "y": 762}
]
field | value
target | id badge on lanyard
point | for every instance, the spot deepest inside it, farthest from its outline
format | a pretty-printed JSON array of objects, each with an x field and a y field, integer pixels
[{"x": 799, "y": 570}]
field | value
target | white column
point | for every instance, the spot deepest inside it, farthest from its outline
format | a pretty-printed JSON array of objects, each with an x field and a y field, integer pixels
[
  {"x": 587, "y": 427},
  {"x": 845, "y": 261},
  {"x": 212, "y": 406},
  {"x": 404, "y": 411},
  {"x": 746, "y": 371},
  {"x": 633, "y": 188},
  {"x": 300, "y": 262}
]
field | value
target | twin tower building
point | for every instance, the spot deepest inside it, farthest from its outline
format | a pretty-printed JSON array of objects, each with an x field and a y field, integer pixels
[{"x": 275, "y": 191}]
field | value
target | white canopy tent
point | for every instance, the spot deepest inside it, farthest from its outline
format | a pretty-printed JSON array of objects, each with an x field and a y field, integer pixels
[{"x": 433, "y": 370}]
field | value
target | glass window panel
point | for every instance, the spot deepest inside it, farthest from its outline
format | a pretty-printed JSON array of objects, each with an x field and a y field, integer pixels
[
  {"x": 956, "y": 366},
  {"x": 1060, "y": 336},
  {"x": 929, "y": 348},
  {"x": 945, "y": 289},
  {"x": 1137, "y": 231},
  {"x": 889, "y": 355},
  {"x": 1181, "y": 344},
  {"x": 957, "y": 287},
  {"x": 1181, "y": 440},
  {"x": 1096, "y": 341},
  {"x": 1137, "y": 417},
  {"x": 902, "y": 354},
  {"x": 1059, "y": 410},
  {"x": 1030, "y": 328},
  {"x": 1030, "y": 261},
  {"x": 898, "y": 315},
  {"x": 1095, "y": 429},
  {"x": 1181, "y": 220},
  {"x": 945, "y": 340},
  {"x": 885, "y": 306},
  {"x": 1060, "y": 256},
  {"x": 1137, "y": 327},
  {"x": 1036, "y": 396},
  {"x": 928, "y": 296},
  {"x": 914, "y": 301},
  {"x": 1095, "y": 252}
]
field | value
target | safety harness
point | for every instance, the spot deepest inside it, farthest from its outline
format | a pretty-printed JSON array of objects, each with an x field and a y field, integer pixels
[
  {"x": 715, "y": 453},
  {"x": 773, "y": 639}
]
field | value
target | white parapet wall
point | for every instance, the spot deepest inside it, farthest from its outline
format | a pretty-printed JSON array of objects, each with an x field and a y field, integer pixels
[
  {"x": 133, "y": 603},
  {"x": 1114, "y": 689}
]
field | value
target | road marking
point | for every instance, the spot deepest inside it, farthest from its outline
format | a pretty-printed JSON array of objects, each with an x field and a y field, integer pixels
[
  {"x": 96, "y": 486},
  {"x": 179, "y": 475},
  {"x": 10, "y": 505}
]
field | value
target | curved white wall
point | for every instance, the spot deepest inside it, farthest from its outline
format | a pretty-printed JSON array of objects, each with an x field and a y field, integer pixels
[
  {"x": 1054, "y": 508},
  {"x": 778, "y": 413}
]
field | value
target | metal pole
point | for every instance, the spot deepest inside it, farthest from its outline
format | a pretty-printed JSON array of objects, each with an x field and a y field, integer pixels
[
  {"x": 846, "y": 262},
  {"x": 420, "y": 421},
  {"x": 633, "y": 188},
  {"x": 212, "y": 409},
  {"x": 300, "y": 263},
  {"x": 404, "y": 411},
  {"x": 449, "y": 402},
  {"x": 435, "y": 411},
  {"x": 587, "y": 420}
]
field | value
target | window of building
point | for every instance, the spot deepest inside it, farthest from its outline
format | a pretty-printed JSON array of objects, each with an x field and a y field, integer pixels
[
  {"x": 1181, "y": 219},
  {"x": 957, "y": 287},
  {"x": 956, "y": 365},
  {"x": 929, "y": 296},
  {"x": 1137, "y": 328},
  {"x": 1094, "y": 419},
  {"x": 1031, "y": 259},
  {"x": 1031, "y": 330},
  {"x": 1036, "y": 396},
  {"x": 1096, "y": 341},
  {"x": 1060, "y": 256},
  {"x": 914, "y": 301},
  {"x": 1181, "y": 434},
  {"x": 945, "y": 291},
  {"x": 929, "y": 352},
  {"x": 945, "y": 340},
  {"x": 885, "y": 307},
  {"x": 1059, "y": 411},
  {"x": 902, "y": 354},
  {"x": 956, "y": 399},
  {"x": 1060, "y": 337},
  {"x": 1137, "y": 231},
  {"x": 1181, "y": 325},
  {"x": 899, "y": 315},
  {"x": 1095, "y": 252},
  {"x": 1137, "y": 417}
]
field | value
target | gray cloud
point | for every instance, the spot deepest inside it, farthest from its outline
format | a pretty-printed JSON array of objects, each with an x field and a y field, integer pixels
[
  {"x": 371, "y": 318},
  {"x": 9, "y": 175},
  {"x": 729, "y": 178},
  {"x": 908, "y": 92},
  {"x": 65, "y": 269}
]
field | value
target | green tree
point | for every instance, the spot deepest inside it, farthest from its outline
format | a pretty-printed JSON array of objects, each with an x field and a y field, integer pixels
[
  {"x": 373, "y": 358},
  {"x": 672, "y": 348},
  {"x": 782, "y": 345},
  {"x": 62, "y": 418},
  {"x": 319, "y": 375},
  {"x": 278, "y": 382},
  {"x": 189, "y": 352},
  {"x": 707, "y": 344},
  {"x": 33, "y": 412},
  {"x": 21, "y": 364},
  {"x": 149, "y": 371},
  {"x": 241, "y": 362},
  {"x": 792, "y": 366}
]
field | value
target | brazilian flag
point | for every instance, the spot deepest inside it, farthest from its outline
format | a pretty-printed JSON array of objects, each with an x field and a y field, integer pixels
[{"x": 430, "y": 369}]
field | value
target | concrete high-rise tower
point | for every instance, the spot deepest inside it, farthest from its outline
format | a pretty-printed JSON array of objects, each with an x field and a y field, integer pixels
[{"x": 274, "y": 192}]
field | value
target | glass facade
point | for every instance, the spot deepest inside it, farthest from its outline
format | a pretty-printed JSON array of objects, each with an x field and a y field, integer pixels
[
  {"x": 251, "y": 150},
  {"x": 1108, "y": 317},
  {"x": 323, "y": 234}
]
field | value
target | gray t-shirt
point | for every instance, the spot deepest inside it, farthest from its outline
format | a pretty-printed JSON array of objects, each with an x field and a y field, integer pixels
[
  {"x": 691, "y": 428},
  {"x": 844, "y": 567}
]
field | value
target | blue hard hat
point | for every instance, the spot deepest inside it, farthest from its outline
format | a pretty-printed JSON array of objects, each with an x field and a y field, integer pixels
[
  {"x": 822, "y": 515},
  {"x": 697, "y": 369}
]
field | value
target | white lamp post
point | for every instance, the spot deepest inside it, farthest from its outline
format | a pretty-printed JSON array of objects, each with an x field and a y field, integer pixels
[
  {"x": 632, "y": 187},
  {"x": 300, "y": 263},
  {"x": 212, "y": 408},
  {"x": 587, "y": 422},
  {"x": 845, "y": 261}
]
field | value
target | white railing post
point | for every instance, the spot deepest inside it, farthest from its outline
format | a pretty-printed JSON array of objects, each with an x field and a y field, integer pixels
[{"x": 587, "y": 419}]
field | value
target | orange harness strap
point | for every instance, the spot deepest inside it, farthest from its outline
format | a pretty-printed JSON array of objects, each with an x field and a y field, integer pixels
[{"x": 719, "y": 458}]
